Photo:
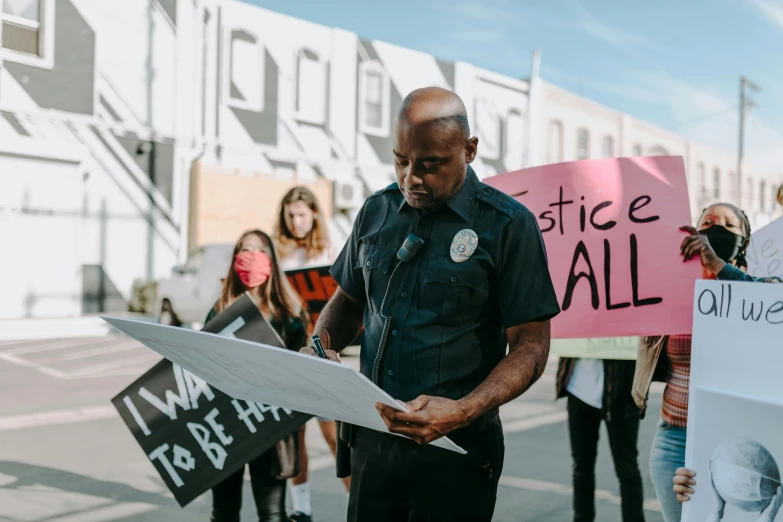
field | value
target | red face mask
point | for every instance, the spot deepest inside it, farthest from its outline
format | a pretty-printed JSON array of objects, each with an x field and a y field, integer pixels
[{"x": 253, "y": 268}]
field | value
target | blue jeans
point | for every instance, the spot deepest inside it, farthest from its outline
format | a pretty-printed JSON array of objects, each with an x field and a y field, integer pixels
[{"x": 667, "y": 454}]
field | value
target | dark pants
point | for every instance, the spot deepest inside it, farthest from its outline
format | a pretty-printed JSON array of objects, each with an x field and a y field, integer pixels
[
  {"x": 268, "y": 492},
  {"x": 584, "y": 424},
  {"x": 395, "y": 480}
]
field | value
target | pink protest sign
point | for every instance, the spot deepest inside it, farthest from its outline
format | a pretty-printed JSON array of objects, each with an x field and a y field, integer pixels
[{"x": 611, "y": 228}]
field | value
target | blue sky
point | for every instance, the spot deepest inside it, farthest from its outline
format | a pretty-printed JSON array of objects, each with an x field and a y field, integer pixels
[{"x": 674, "y": 63}]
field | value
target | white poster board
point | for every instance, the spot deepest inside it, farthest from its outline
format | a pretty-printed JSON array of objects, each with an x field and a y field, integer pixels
[
  {"x": 765, "y": 253},
  {"x": 735, "y": 412},
  {"x": 268, "y": 375}
]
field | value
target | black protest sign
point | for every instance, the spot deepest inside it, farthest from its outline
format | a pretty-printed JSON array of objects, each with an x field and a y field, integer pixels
[
  {"x": 194, "y": 434},
  {"x": 315, "y": 286}
]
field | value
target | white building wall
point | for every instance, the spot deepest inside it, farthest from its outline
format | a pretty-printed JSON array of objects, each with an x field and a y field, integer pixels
[{"x": 241, "y": 87}]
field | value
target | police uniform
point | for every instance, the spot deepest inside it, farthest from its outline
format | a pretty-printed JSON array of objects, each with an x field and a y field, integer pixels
[{"x": 482, "y": 269}]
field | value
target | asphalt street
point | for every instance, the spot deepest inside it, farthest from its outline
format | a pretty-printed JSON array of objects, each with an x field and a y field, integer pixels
[{"x": 65, "y": 455}]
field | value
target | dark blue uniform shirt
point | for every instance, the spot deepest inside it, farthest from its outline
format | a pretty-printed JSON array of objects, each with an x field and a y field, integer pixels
[{"x": 448, "y": 319}]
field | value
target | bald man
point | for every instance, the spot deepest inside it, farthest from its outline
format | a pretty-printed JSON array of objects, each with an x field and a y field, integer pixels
[{"x": 479, "y": 283}]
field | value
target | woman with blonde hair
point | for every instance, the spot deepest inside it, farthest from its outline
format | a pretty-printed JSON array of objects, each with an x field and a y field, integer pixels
[
  {"x": 256, "y": 272},
  {"x": 303, "y": 241}
]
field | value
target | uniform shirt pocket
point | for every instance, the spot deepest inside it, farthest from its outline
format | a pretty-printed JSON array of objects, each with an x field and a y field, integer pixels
[
  {"x": 375, "y": 262},
  {"x": 453, "y": 293}
]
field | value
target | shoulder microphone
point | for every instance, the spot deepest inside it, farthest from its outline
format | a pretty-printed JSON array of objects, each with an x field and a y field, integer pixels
[{"x": 410, "y": 247}]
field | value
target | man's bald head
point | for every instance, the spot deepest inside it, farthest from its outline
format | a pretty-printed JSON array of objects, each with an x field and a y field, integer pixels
[
  {"x": 434, "y": 104},
  {"x": 432, "y": 147}
]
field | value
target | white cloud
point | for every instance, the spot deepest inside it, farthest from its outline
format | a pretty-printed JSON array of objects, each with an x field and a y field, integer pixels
[
  {"x": 770, "y": 9},
  {"x": 712, "y": 118},
  {"x": 626, "y": 41},
  {"x": 630, "y": 92},
  {"x": 481, "y": 12},
  {"x": 478, "y": 36}
]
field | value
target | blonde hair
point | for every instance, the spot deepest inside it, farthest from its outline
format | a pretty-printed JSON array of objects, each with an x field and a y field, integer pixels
[{"x": 317, "y": 240}]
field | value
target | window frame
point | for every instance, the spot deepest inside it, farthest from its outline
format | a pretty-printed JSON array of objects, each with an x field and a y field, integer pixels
[
  {"x": 556, "y": 136},
  {"x": 579, "y": 132},
  {"x": 46, "y": 35},
  {"x": 299, "y": 114},
  {"x": 716, "y": 183},
  {"x": 228, "y": 50},
  {"x": 608, "y": 140},
  {"x": 514, "y": 159},
  {"x": 383, "y": 130}
]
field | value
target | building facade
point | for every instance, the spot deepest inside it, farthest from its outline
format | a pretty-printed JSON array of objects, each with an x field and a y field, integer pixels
[{"x": 118, "y": 119}]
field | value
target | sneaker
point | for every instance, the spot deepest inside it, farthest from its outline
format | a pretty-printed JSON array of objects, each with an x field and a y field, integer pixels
[{"x": 300, "y": 517}]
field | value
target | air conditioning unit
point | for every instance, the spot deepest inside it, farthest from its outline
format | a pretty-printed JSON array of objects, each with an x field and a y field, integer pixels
[{"x": 348, "y": 194}]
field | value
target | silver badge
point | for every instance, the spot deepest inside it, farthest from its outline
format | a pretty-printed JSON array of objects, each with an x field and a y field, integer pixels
[{"x": 463, "y": 245}]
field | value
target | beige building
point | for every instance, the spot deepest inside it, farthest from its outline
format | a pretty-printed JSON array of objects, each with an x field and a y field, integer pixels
[{"x": 567, "y": 127}]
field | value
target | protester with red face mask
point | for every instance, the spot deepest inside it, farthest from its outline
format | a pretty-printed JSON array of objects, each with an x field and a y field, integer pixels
[{"x": 255, "y": 271}]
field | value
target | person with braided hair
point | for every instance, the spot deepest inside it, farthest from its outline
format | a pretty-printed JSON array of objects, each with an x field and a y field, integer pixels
[{"x": 720, "y": 239}]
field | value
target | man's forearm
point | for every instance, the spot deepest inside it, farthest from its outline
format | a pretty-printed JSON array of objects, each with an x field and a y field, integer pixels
[
  {"x": 340, "y": 321},
  {"x": 517, "y": 372}
]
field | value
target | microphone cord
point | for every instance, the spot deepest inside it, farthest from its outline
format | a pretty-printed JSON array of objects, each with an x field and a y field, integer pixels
[{"x": 376, "y": 367}]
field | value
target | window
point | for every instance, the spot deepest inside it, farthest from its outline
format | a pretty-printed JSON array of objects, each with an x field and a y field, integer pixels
[
  {"x": 27, "y": 29},
  {"x": 731, "y": 187},
  {"x": 637, "y": 149},
  {"x": 701, "y": 171},
  {"x": 374, "y": 99},
  {"x": 749, "y": 196},
  {"x": 608, "y": 147},
  {"x": 515, "y": 139},
  {"x": 763, "y": 196},
  {"x": 244, "y": 71},
  {"x": 716, "y": 183},
  {"x": 583, "y": 144},
  {"x": 310, "y": 87},
  {"x": 657, "y": 150},
  {"x": 555, "y": 149},
  {"x": 488, "y": 128}
]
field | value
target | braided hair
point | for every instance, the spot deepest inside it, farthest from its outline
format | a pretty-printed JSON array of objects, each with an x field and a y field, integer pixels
[{"x": 741, "y": 261}]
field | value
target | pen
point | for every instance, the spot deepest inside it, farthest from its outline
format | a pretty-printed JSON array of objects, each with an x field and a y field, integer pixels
[{"x": 318, "y": 347}]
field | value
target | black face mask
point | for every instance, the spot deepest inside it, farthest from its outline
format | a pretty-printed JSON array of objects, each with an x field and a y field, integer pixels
[{"x": 726, "y": 244}]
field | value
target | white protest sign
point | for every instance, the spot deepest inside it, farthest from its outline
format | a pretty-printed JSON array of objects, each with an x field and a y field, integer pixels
[
  {"x": 735, "y": 410},
  {"x": 765, "y": 253},
  {"x": 269, "y": 375}
]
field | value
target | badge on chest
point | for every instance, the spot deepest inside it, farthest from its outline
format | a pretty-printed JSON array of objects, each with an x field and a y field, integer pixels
[{"x": 463, "y": 245}]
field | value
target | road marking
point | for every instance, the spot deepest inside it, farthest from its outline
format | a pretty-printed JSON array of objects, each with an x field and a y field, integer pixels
[
  {"x": 114, "y": 364},
  {"x": 561, "y": 489},
  {"x": 110, "y": 511},
  {"x": 538, "y": 421},
  {"x": 59, "y": 345},
  {"x": 135, "y": 372},
  {"x": 52, "y": 418},
  {"x": 119, "y": 347},
  {"x": 13, "y": 359}
]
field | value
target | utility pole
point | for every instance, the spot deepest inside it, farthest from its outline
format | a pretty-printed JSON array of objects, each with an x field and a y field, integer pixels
[{"x": 745, "y": 104}]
